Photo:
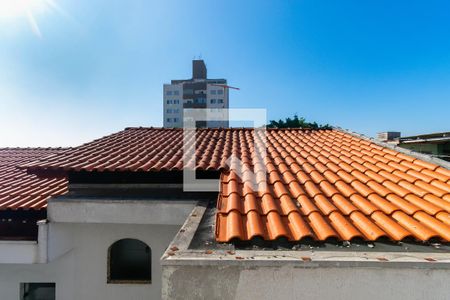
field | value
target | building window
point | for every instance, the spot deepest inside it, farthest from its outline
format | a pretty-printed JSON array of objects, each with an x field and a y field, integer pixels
[
  {"x": 176, "y": 101},
  {"x": 219, "y": 92},
  {"x": 129, "y": 261},
  {"x": 213, "y": 101},
  {"x": 168, "y": 93},
  {"x": 176, "y": 110},
  {"x": 169, "y": 120},
  {"x": 169, "y": 101},
  {"x": 176, "y": 93},
  {"x": 175, "y": 120},
  {"x": 169, "y": 111},
  {"x": 37, "y": 291},
  {"x": 213, "y": 92},
  {"x": 219, "y": 100}
]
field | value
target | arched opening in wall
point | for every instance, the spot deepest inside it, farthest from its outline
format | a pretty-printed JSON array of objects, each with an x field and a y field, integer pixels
[{"x": 129, "y": 261}]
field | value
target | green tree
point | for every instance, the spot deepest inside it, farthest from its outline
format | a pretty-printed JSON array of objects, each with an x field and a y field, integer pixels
[{"x": 297, "y": 122}]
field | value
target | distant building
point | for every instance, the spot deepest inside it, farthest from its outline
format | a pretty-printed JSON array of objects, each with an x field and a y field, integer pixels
[
  {"x": 435, "y": 144},
  {"x": 197, "y": 92}
]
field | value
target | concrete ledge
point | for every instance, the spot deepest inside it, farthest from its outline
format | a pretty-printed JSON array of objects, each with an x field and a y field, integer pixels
[
  {"x": 79, "y": 210},
  {"x": 309, "y": 259},
  {"x": 290, "y": 282},
  {"x": 179, "y": 254}
]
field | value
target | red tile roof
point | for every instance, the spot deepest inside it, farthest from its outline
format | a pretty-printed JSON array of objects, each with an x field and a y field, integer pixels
[
  {"x": 321, "y": 184},
  {"x": 20, "y": 190}
]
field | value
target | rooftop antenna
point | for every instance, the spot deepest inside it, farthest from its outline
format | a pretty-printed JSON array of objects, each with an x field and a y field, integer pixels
[{"x": 224, "y": 86}]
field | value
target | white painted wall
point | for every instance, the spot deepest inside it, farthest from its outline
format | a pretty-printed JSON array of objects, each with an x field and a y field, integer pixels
[
  {"x": 20, "y": 252},
  {"x": 72, "y": 248},
  {"x": 78, "y": 262}
]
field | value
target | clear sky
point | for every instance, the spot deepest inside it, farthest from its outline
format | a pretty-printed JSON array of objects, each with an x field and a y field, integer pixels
[{"x": 72, "y": 71}]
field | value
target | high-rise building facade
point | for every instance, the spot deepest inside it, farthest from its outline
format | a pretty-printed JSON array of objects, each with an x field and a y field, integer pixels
[{"x": 197, "y": 92}]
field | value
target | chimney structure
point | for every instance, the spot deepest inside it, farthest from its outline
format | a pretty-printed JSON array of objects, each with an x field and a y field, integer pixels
[{"x": 199, "y": 69}]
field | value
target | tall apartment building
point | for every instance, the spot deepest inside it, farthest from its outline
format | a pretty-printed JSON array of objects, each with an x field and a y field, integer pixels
[{"x": 197, "y": 92}]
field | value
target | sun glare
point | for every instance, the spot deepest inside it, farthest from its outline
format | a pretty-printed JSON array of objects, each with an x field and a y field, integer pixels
[
  {"x": 20, "y": 8},
  {"x": 27, "y": 9}
]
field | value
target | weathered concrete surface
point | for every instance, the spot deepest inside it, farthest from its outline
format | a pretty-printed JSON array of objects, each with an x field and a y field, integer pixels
[
  {"x": 294, "y": 282},
  {"x": 199, "y": 283},
  {"x": 66, "y": 210}
]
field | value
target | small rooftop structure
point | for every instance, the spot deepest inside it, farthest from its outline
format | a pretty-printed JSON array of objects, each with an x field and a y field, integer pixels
[
  {"x": 199, "y": 69},
  {"x": 438, "y": 137},
  {"x": 388, "y": 136}
]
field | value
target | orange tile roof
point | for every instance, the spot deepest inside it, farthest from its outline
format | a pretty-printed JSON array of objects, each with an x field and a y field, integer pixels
[
  {"x": 321, "y": 184},
  {"x": 329, "y": 184},
  {"x": 20, "y": 190}
]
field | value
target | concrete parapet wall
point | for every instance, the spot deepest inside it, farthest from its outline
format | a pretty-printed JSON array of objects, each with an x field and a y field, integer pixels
[{"x": 293, "y": 282}]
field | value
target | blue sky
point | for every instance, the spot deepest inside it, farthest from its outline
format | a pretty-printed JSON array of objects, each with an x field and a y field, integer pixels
[{"x": 99, "y": 66}]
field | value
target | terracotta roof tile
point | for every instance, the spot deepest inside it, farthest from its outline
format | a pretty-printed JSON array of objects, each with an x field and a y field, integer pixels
[
  {"x": 438, "y": 201},
  {"x": 321, "y": 185},
  {"x": 306, "y": 205},
  {"x": 441, "y": 185},
  {"x": 403, "y": 204},
  {"x": 444, "y": 217},
  {"x": 386, "y": 206},
  {"x": 370, "y": 230},
  {"x": 443, "y": 172},
  {"x": 437, "y": 175},
  {"x": 20, "y": 190},
  {"x": 298, "y": 227},
  {"x": 343, "y": 204},
  {"x": 394, "y": 230},
  {"x": 346, "y": 230},
  {"x": 321, "y": 228},
  {"x": 417, "y": 229},
  {"x": 441, "y": 228}
]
